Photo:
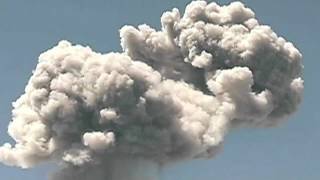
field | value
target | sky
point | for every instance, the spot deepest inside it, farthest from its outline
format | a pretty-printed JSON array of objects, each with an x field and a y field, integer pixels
[{"x": 289, "y": 152}]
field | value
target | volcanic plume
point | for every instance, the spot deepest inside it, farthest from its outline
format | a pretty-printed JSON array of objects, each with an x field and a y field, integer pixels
[{"x": 171, "y": 95}]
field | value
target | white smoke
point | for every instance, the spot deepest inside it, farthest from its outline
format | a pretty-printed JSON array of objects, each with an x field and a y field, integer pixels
[{"x": 171, "y": 95}]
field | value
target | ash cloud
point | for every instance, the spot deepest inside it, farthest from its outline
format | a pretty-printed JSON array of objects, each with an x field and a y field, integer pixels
[{"x": 171, "y": 95}]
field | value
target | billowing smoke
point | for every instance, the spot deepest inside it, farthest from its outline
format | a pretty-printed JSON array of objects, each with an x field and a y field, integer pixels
[{"x": 171, "y": 95}]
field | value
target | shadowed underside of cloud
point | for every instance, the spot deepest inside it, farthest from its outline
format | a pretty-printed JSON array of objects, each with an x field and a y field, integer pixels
[{"x": 171, "y": 95}]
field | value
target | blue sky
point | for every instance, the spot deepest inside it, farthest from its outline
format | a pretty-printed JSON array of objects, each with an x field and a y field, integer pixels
[{"x": 290, "y": 152}]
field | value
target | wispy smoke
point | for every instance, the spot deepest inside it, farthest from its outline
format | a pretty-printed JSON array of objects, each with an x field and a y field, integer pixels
[{"x": 170, "y": 95}]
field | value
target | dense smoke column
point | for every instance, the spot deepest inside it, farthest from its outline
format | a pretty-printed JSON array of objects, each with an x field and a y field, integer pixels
[{"x": 170, "y": 95}]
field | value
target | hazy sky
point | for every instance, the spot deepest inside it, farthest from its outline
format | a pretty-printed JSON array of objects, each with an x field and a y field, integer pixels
[{"x": 289, "y": 152}]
